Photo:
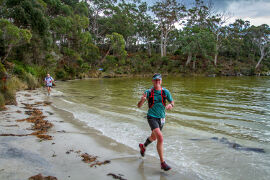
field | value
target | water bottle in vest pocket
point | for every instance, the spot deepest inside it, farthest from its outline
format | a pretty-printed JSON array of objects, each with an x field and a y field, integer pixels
[{"x": 162, "y": 121}]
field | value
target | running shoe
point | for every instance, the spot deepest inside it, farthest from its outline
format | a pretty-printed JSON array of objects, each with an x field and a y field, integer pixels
[
  {"x": 142, "y": 149},
  {"x": 165, "y": 166}
]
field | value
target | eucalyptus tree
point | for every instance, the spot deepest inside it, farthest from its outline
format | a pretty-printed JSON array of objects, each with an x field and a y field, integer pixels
[
  {"x": 146, "y": 30},
  {"x": 173, "y": 41},
  {"x": 197, "y": 35},
  {"x": 116, "y": 43},
  {"x": 2, "y": 9},
  {"x": 124, "y": 21},
  {"x": 98, "y": 12},
  {"x": 260, "y": 37},
  {"x": 197, "y": 41},
  {"x": 168, "y": 13},
  {"x": 216, "y": 25},
  {"x": 28, "y": 13},
  {"x": 31, "y": 15},
  {"x": 12, "y": 36},
  {"x": 72, "y": 37},
  {"x": 199, "y": 14},
  {"x": 236, "y": 37}
]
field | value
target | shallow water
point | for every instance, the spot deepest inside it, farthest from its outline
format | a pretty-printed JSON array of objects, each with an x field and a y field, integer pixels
[{"x": 235, "y": 108}]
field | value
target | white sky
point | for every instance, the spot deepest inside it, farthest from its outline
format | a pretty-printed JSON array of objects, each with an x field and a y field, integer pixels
[{"x": 255, "y": 11}]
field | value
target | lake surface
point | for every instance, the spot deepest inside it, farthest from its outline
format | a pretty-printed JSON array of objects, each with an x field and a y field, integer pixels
[{"x": 218, "y": 128}]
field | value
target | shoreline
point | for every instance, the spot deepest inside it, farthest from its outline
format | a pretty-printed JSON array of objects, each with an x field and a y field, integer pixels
[
  {"x": 67, "y": 155},
  {"x": 115, "y": 76}
]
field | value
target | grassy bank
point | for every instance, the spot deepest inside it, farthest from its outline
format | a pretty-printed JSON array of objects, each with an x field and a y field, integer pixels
[{"x": 11, "y": 82}]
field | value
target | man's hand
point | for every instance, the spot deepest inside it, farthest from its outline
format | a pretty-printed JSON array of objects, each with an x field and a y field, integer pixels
[
  {"x": 170, "y": 106},
  {"x": 143, "y": 98}
]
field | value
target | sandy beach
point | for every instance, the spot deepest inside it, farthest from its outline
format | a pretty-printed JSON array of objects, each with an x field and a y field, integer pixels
[{"x": 67, "y": 149}]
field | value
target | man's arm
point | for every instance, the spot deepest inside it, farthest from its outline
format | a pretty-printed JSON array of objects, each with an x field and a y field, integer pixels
[
  {"x": 170, "y": 106},
  {"x": 170, "y": 99},
  {"x": 143, "y": 98}
]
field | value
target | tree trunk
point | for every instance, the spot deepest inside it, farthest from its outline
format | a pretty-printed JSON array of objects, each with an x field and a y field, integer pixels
[
  {"x": 149, "y": 49},
  {"x": 165, "y": 44},
  {"x": 216, "y": 53},
  {"x": 215, "y": 60},
  {"x": 261, "y": 58},
  {"x": 194, "y": 64},
  {"x": 161, "y": 44},
  {"x": 8, "y": 51},
  {"x": 189, "y": 58},
  {"x": 107, "y": 53}
]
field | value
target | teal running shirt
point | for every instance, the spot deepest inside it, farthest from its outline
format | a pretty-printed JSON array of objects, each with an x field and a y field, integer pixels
[{"x": 158, "y": 109}]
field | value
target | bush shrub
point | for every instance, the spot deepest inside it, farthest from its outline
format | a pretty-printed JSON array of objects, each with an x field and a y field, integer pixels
[
  {"x": 71, "y": 71},
  {"x": 85, "y": 67},
  {"x": 31, "y": 70},
  {"x": 42, "y": 72},
  {"x": 18, "y": 70},
  {"x": 2, "y": 101},
  {"x": 2, "y": 70},
  {"x": 16, "y": 84},
  {"x": 165, "y": 60},
  {"x": 10, "y": 96},
  {"x": 110, "y": 63},
  {"x": 92, "y": 55},
  {"x": 9, "y": 91},
  {"x": 61, "y": 74},
  {"x": 31, "y": 81}
]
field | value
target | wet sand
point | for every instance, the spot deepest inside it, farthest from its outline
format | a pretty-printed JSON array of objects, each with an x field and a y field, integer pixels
[{"x": 24, "y": 154}]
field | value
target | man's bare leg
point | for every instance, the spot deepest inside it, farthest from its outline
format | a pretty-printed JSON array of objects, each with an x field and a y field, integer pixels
[
  {"x": 49, "y": 90},
  {"x": 159, "y": 137}
]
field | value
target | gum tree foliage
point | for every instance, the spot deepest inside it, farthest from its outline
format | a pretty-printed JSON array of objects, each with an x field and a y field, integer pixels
[
  {"x": 97, "y": 10},
  {"x": 236, "y": 38},
  {"x": 28, "y": 13},
  {"x": 197, "y": 38},
  {"x": 260, "y": 37},
  {"x": 146, "y": 29},
  {"x": 11, "y": 36},
  {"x": 73, "y": 39},
  {"x": 216, "y": 25},
  {"x": 167, "y": 12},
  {"x": 116, "y": 44},
  {"x": 197, "y": 41},
  {"x": 31, "y": 15},
  {"x": 2, "y": 8},
  {"x": 122, "y": 19}
]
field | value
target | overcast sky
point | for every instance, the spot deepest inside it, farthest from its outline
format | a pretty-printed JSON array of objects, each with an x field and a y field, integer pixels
[{"x": 255, "y": 11}]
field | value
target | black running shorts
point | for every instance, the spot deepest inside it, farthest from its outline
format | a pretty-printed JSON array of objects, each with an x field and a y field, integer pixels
[{"x": 154, "y": 122}]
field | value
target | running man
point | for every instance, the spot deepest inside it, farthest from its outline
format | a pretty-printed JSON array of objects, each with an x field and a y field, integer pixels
[
  {"x": 156, "y": 97},
  {"x": 49, "y": 82}
]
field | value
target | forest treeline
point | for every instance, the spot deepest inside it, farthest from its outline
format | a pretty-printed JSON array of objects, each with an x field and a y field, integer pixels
[{"x": 91, "y": 38}]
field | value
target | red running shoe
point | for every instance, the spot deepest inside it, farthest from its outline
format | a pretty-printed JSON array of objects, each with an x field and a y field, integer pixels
[
  {"x": 142, "y": 149},
  {"x": 165, "y": 166}
]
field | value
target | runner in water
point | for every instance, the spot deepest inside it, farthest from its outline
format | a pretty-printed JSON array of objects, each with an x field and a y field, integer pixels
[
  {"x": 156, "y": 97},
  {"x": 49, "y": 82}
]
